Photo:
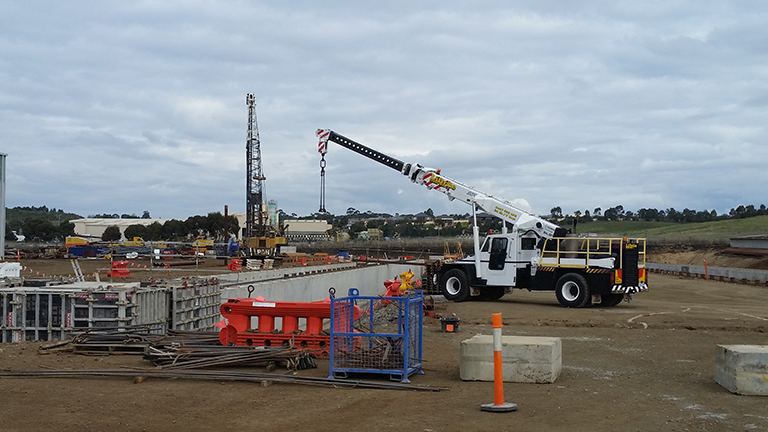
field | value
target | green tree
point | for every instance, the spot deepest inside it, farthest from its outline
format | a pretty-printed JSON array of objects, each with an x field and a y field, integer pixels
[
  {"x": 233, "y": 226},
  {"x": 65, "y": 229},
  {"x": 388, "y": 230},
  {"x": 214, "y": 226},
  {"x": 9, "y": 234},
  {"x": 196, "y": 226},
  {"x": 357, "y": 227},
  {"x": 111, "y": 233},
  {"x": 174, "y": 230},
  {"x": 40, "y": 230},
  {"x": 135, "y": 230},
  {"x": 154, "y": 232}
]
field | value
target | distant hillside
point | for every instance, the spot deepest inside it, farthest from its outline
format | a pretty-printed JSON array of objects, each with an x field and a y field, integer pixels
[
  {"x": 714, "y": 232},
  {"x": 15, "y": 217}
]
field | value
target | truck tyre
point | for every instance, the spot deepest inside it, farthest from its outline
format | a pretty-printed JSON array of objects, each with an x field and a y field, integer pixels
[
  {"x": 455, "y": 285},
  {"x": 572, "y": 290},
  {"x": 492, "y": 293},
  {"x": 610, "y": 300}
]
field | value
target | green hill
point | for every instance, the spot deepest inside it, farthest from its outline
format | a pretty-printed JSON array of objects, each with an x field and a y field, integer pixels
[
  {"x": 15, "y": 217},
  {"x": 715, "y": 232}
]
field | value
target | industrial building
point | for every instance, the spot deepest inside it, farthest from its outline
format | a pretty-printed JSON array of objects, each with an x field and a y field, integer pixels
[
  {"x": 306, "y": 230},
  {"x": 93, "y": 228}
]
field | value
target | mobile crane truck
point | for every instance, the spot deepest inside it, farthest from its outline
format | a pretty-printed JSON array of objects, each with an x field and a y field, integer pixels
[{"x": 530, "y": 252}]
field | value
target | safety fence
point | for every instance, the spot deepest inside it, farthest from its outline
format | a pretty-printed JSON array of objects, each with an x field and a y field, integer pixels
[{"x": 722, "y": 274}]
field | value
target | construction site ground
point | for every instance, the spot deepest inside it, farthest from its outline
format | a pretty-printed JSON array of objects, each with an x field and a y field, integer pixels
[{"x": 647, "y": 365}]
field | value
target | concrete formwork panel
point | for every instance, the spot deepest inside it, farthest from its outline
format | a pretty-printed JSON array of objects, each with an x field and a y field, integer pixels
[
  {"x": 742, "y": 369},
  {"x": 314, "y": 286},
  {"x": 526, "y": 359}
]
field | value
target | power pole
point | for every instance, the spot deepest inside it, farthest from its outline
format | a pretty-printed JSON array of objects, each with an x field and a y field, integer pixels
[{"x": 255, "y": 223}]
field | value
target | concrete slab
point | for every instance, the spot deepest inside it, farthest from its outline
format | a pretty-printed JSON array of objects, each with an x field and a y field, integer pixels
[
  {"x": 742, "y": 369},
  {"x": 526, "y": 359}
]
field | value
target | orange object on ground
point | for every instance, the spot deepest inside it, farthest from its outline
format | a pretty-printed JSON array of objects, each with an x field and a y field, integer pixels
[
  {"x": 239, "y": 311},
  {"x": 498, "y": 404},
  {"x": 119, "y": 269}
]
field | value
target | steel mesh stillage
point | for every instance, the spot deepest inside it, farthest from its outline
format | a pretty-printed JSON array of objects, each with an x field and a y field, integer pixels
[{"x": 385, "y": 339}]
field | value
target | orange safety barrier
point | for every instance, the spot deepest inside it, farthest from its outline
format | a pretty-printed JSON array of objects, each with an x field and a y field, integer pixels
[
  {"x": 119, "y": 269},
  {"x": 236, "y": 265},
  {"x": 239, "y": 311}
]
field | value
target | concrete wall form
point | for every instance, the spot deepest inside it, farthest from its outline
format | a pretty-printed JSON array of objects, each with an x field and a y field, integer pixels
[{"x": 369, "y": 280}]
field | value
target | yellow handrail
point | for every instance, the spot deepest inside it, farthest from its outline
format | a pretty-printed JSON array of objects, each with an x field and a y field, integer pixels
[{"x": 588, "y": 248}]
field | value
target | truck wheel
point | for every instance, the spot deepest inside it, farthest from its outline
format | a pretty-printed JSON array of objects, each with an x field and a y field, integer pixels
[
  {"x": 572, "y": 290},
  {"x": 492, "y": 293},
  {"x": 610, "y": 300},
  {"x": 454, "y": 285}
]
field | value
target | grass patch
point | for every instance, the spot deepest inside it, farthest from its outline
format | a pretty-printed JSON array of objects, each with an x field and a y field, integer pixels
[{"x": 715, "y": 233}]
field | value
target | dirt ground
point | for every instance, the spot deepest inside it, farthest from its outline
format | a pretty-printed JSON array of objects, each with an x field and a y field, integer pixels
[{"x": 647, "y": 365}]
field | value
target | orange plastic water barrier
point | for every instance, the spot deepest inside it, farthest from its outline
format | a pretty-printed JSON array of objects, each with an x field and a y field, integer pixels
[
  {"x": 240, "y": 311},
  {"x": 119, "y": 269}
]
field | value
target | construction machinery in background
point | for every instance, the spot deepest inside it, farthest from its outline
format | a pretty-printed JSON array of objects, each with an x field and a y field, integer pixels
[
  {"x": 260, "y": 237},
  {"x": 530, "y": 253}
]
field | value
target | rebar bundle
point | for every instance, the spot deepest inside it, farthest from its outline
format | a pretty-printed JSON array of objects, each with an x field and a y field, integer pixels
[{"x": 203, "y": 356}]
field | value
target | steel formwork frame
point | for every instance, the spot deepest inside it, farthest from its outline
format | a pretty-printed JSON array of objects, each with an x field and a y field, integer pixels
[
  {"x": 38, "y": 316},
  {"x": 33, "y": 314},
  {"x": 196, "y": 306},
  {"x": 361, "y": 346}
]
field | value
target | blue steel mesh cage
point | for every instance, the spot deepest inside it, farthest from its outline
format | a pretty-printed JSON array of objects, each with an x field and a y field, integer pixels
[{"x": 379, "y": 335}]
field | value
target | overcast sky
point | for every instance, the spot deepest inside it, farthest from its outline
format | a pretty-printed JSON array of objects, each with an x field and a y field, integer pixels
[{"x": 122, "y": 107}]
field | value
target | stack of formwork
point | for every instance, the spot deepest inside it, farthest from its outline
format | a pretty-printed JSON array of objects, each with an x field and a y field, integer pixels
[
  {"x": 195, "y": 304},
  {"x": 49, "y": 313},
  {"x": 58, "y": 312}
]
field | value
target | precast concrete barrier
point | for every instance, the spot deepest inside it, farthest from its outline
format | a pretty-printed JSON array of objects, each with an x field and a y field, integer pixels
[
  {"x": 308, "y": 284},
  {"x": 723, "y": 274}
]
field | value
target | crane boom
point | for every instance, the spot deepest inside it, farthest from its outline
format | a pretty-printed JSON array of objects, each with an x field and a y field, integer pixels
[{"x": 432, "y": 179}]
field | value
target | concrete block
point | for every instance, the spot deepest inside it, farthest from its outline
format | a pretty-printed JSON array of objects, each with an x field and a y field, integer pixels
[
  {"x": 742, "y": 369},
  {"x": 526, "y": 359}
]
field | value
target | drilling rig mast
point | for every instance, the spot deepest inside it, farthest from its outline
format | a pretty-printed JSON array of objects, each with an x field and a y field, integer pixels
[
  {"x": 255, "y": 218},
  {"x": 261, "y": 238}
]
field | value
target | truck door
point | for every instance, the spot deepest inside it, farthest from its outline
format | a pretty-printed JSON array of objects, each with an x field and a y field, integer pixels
[{"x": 498, "y": 257}]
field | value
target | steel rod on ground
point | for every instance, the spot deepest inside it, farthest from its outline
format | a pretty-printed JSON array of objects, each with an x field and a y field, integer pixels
[{"x": 219, "y": 376}]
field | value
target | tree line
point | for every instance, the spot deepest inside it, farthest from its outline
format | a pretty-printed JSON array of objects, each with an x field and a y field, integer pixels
[
  {"x": 210, "y": 226},
  {"x": 44, "y": 224},
  {"x": 668, "y": 215}
]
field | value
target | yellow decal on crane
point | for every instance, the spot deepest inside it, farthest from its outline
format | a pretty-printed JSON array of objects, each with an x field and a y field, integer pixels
[
  {"x": 442, "y": 182},
  {"x": 505, "y": 213}
]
